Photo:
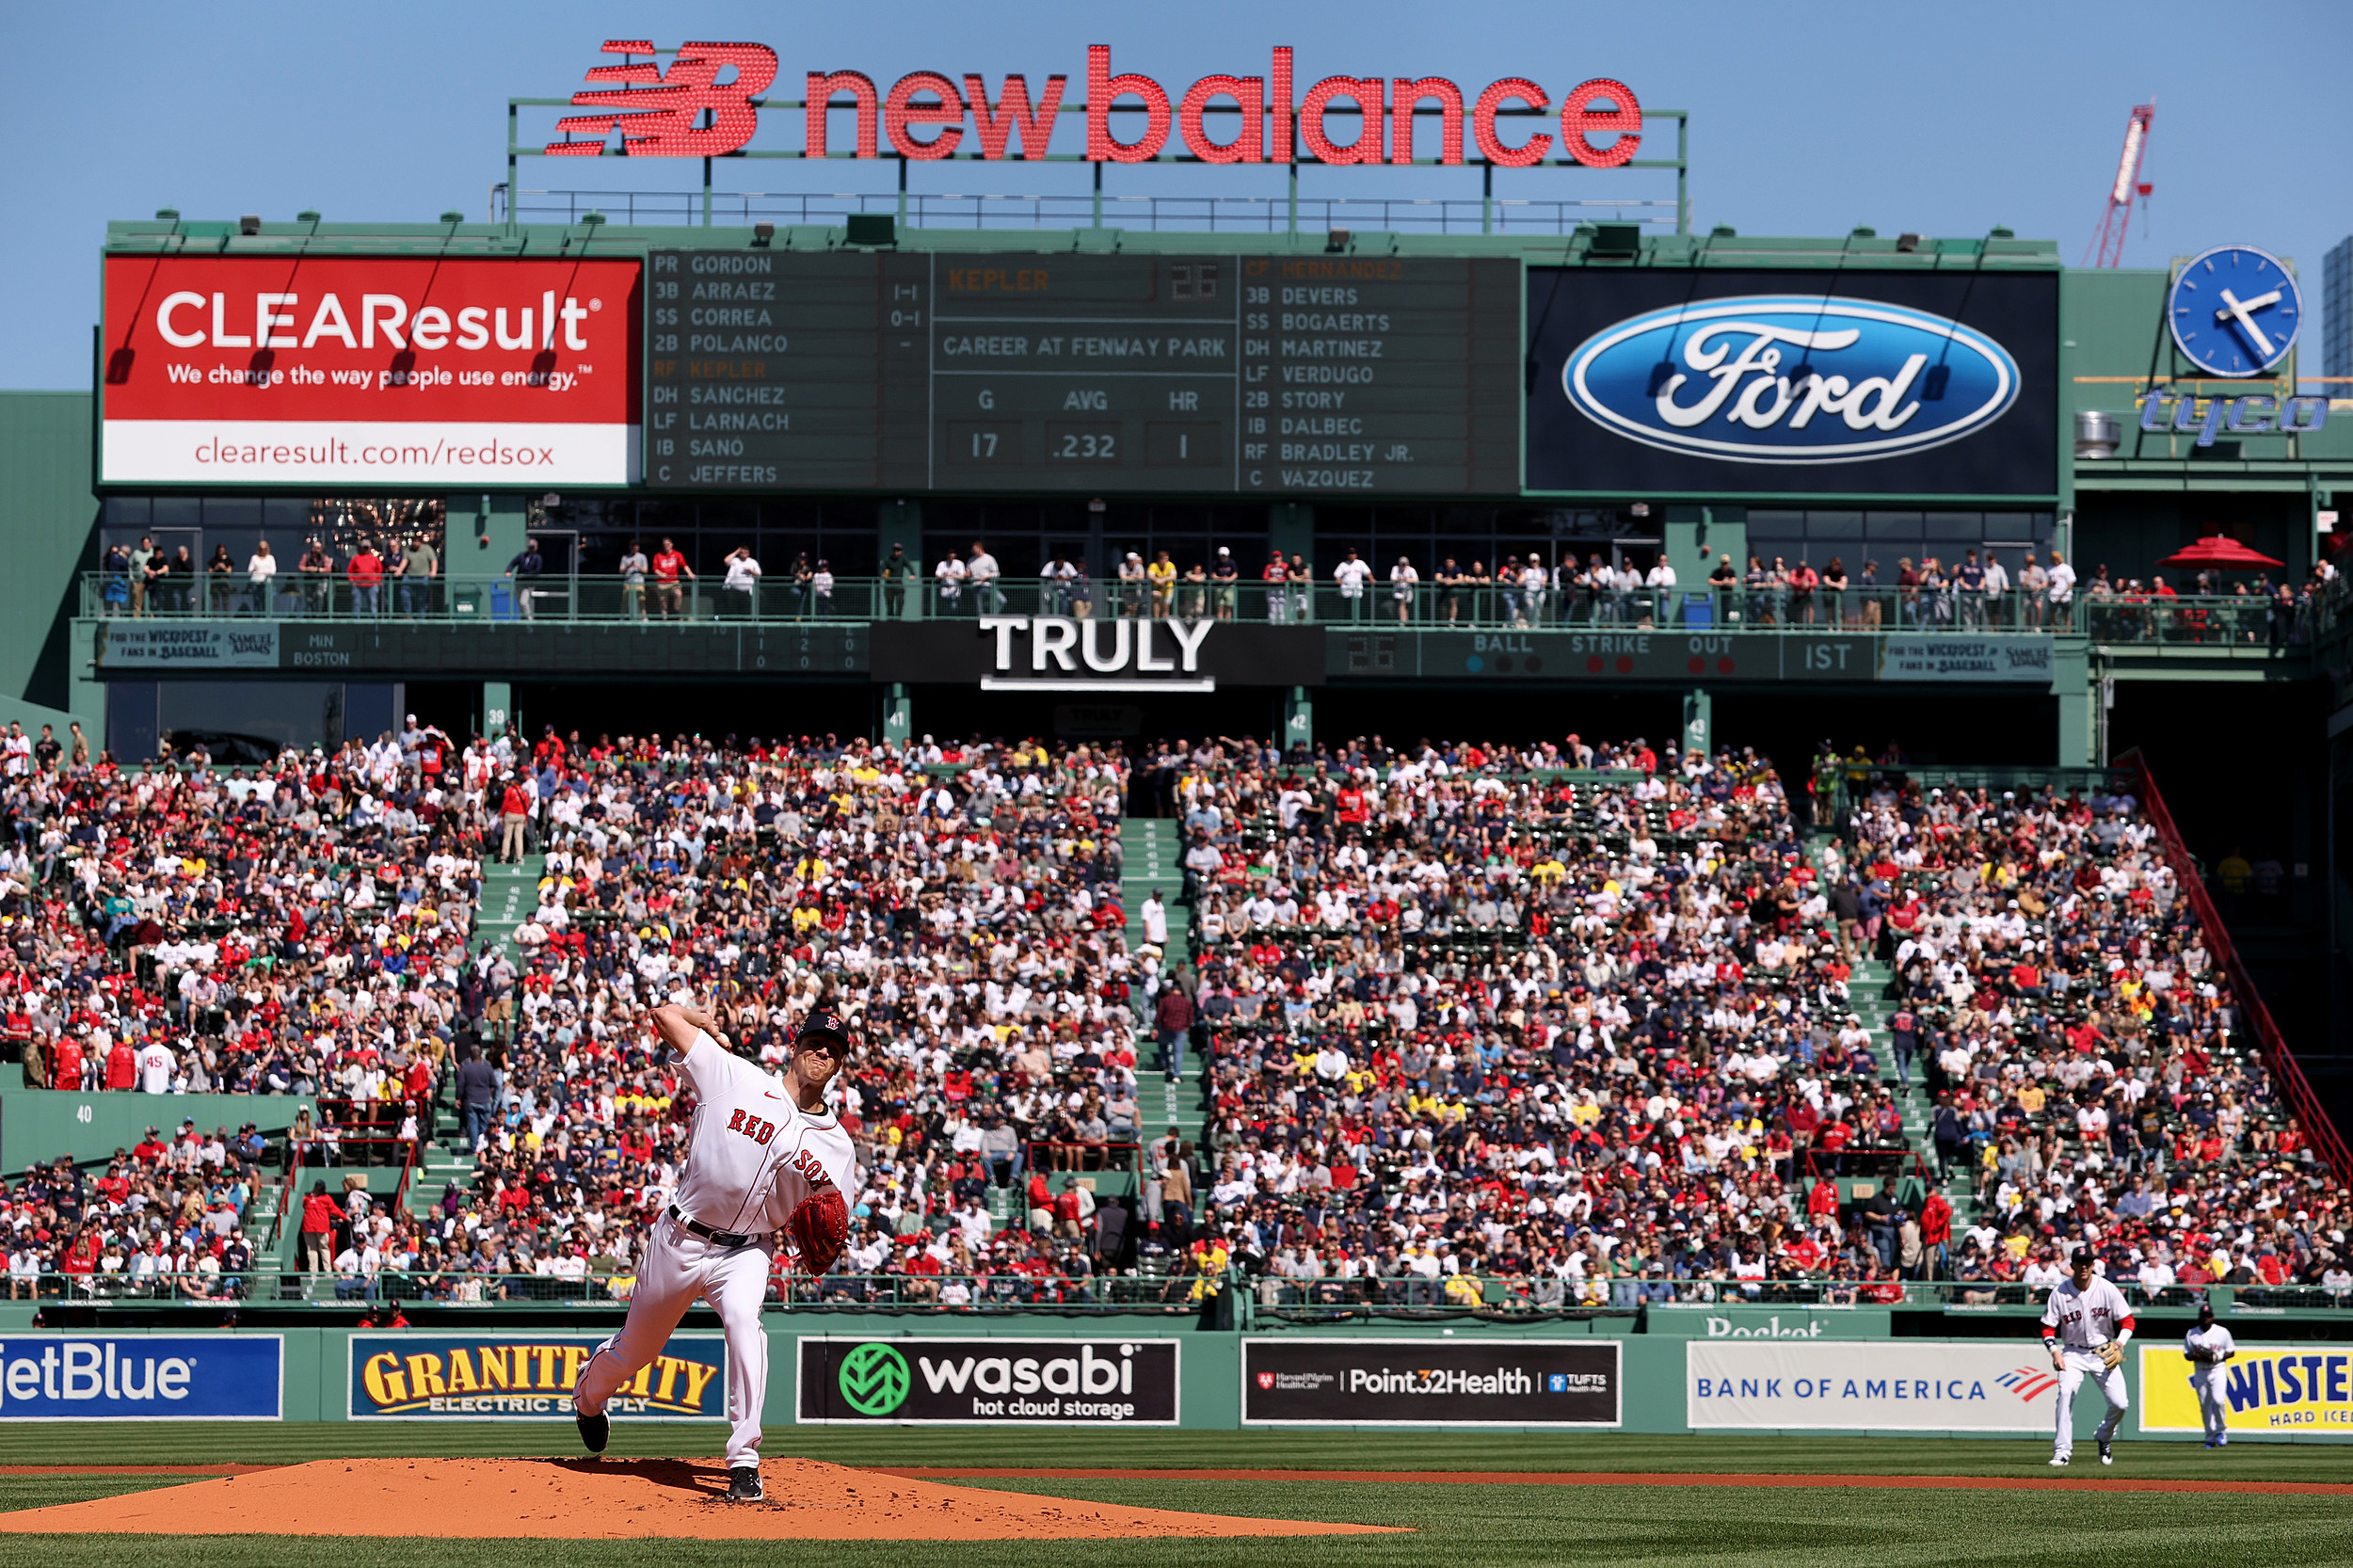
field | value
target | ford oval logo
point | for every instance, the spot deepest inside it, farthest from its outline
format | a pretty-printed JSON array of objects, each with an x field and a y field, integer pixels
[{"x": 1772, "y": 378}]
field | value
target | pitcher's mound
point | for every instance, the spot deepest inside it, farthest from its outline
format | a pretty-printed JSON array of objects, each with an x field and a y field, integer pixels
[{"x": 603, "y": 1499}]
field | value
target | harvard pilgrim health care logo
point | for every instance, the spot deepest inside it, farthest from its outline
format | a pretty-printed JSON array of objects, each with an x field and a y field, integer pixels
[{"x": 1791, "y": 380}]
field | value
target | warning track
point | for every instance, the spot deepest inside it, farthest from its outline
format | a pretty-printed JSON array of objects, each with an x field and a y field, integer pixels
[{"x": 1633, "y": 1478}]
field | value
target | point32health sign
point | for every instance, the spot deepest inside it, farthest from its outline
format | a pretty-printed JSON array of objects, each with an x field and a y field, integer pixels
[
  {"x": 921, "y": 1381},
  {"x": 135, "y": 1377},
  {"x": 473, "y": 1377},
  {"x": 1431, "y": 1383}
]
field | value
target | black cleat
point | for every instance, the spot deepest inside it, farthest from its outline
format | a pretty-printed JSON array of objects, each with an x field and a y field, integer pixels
[
  {"x": 595, "y": 1432},
  {"x": 744, "y": 1484},
  {"x": 2108, "y": 1451}
]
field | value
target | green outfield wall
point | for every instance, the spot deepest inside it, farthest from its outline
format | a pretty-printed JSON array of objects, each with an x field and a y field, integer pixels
[{"x": 841, "y": 1369}]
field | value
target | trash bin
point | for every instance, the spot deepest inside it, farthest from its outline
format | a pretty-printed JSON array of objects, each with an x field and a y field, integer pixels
[{"x": 1699, "y": 609}]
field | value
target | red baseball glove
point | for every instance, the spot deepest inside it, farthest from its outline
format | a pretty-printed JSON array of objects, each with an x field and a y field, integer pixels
[{"x": 820, "y": 1230}]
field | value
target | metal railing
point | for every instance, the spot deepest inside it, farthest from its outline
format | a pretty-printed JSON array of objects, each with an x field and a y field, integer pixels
[
  {"x": 1256, "y": 215},
  {"x": 1530, "y": 1297},
  {"x": 2216, "y": 621}
]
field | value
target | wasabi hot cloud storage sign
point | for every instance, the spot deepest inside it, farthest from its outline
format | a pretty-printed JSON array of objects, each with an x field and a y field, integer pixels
[
  {"x": 282, "y": 369},
  {"x": 1926, "y": 383},
  {"x": 919, "y": 1381}
]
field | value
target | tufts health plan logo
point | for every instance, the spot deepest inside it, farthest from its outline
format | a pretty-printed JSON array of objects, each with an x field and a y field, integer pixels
[{"x": 1773, "y": 379}]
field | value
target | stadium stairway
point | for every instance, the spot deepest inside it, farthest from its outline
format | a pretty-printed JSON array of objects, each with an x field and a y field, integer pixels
[
  {"x": 1149, "y": 864},
  {"x": 1868, "y": 988},
  {"x": 509, "y": 894}
]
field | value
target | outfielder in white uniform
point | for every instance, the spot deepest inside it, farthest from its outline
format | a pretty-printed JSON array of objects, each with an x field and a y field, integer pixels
[
  {"x": 2206, "y": 1347},
  {"x": 2086, "y": 1326},
  {"x": 767, "y": 1158}
]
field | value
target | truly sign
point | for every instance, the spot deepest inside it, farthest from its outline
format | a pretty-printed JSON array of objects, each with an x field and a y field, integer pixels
[{"x": 687, "y": 111}]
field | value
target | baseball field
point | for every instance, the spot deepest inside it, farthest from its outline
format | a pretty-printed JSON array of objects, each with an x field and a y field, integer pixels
[{"x": 326, "y": 1496}]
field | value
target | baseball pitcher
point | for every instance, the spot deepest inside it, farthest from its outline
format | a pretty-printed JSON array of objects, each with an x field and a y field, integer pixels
[
  {"x": 2206, "y": 1347},
  {"x": 2086, "y": 1326},
  {"x": 766, "y": 1159}
]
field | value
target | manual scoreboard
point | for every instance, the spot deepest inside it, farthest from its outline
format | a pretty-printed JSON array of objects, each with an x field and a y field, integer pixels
[{"x": 909, "y": 371}]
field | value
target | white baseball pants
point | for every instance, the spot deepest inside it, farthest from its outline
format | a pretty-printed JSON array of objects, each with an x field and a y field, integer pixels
[
  {"x": 2080, "y": 1365},
  {"x": 678, "y": 1270},
  {"x": 2208, "y": 1383}
]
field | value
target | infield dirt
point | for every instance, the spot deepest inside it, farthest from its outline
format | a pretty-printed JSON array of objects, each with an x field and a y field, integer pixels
[{"x": 618, "y": 1499}]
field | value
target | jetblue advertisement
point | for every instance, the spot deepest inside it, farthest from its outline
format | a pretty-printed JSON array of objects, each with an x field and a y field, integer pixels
[
  {"x": 1921, "y": 383},
  {"x": 130, "y": 1377}
]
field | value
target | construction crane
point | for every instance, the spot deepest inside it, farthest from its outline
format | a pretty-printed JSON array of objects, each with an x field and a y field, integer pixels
[{"x": 2115, "y": 219}]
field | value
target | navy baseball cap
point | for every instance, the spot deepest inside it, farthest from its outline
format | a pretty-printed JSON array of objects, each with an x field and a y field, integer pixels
[
  {"x": 826, "y": 1023},
  {"x": 2080, "y": 1258}
]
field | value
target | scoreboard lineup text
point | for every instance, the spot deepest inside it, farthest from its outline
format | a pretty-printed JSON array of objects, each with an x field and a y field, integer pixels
[{"x": 1205, "y": 373}]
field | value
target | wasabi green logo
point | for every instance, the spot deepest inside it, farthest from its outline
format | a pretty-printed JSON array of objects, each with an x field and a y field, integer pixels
[{"x": 874, "y": 1380}]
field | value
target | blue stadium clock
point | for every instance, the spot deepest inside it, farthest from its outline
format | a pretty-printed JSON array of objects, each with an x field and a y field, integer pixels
[{"x": 2235, "y": 310}]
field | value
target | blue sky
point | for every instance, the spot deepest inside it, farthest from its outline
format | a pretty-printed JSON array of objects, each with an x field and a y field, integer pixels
[{"x": 1807, "y": 118}]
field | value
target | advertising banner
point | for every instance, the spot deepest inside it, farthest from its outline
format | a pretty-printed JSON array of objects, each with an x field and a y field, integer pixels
[
  {"x": 1721, "y": 1320},
  {"x": 294, "y": 370},
  {"x": 166, "y": 645},
  {"x": 923, "y": 1382},
  {"x": 474, "y": 1377},
  {"x": 1923, "y": 1385},
  {"x": 1106, "y": 654},
  {"x": 2264, "y": 1388},
  {"x": 1922, "y": 383},
  {"x": 2024, "y": 659},
  {"x": 1431, "y": 1383},
  {"x": 132, "y": 1377}
]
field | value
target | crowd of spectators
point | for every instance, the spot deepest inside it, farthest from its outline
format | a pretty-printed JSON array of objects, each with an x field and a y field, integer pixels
[
  {"x": 2094, "y": 1074},
  {"x": 1497, "y": 1026},
  {"x": 364, "y": 557}
]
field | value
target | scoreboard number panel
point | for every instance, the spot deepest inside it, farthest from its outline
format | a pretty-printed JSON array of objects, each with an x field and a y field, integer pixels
[{"x": 1205, "y": 374}]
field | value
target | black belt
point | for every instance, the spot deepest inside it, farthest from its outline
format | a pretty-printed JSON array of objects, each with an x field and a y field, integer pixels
[{"x": 721, "y": 1237}]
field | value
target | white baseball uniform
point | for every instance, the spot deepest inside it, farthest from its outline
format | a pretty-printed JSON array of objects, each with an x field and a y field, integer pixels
[
  {"x": 751, "y": 1159},
  {"x": 2078, "y": 1322},
  {"x": 2206, "y": 1377}
]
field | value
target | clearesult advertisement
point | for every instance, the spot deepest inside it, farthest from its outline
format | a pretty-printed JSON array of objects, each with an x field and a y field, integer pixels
[
  {"x": 285, "y": 369},
  {"x": 414, "y": 1376},
  {"x": 1919, "y": 1386},
  {"x": 1418, "y": 1382},
  {"x": 138, "y": 1377},
  {"x": 918, "y": 1382}
]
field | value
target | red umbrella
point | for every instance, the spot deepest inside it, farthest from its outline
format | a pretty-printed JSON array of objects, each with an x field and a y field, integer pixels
[{"x": 2219, "y": 549}]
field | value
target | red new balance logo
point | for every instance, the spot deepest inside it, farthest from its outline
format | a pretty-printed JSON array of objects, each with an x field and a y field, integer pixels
[{"x": 660, "y": 111}]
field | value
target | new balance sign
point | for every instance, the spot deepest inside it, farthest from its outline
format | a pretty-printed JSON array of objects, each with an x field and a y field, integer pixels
[{"x": 990, "y": 1382}]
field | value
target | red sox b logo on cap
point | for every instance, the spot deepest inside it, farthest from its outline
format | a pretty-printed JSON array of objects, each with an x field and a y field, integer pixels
[{"x": 827, "y": 1023}]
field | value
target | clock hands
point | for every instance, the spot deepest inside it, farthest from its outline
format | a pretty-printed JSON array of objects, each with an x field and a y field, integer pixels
[{"x": 2243, "y": 312}]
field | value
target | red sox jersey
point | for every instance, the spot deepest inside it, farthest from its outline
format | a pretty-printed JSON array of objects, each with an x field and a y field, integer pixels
[
  {"x": 2080, "y": 1320},
  {"x": 753, "y": 1154}
]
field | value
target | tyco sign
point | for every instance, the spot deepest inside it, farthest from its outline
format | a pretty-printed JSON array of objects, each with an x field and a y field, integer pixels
[
  {"x": 128, "y": 1377},
  {"x": 1922, "y": 1387},
  {"x": 991, "y": 1382},
  {"x": 1422, "y": 1383},
  {"x": 1791, "y": 380},
  {"x": 2271, "y": 1388},
  {"x": 427, "y": 1376}
]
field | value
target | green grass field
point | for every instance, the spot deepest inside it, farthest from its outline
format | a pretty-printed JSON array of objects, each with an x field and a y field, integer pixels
[{"x": 1495, "y": 1523}]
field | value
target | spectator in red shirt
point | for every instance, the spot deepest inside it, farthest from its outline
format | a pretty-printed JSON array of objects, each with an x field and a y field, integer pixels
[
  {"x": 319, "y": 1213},
  {"x": 122, "y": 1066},
  {"x": 668, "y": 567},
  {"x": 366, "y": 571}
]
